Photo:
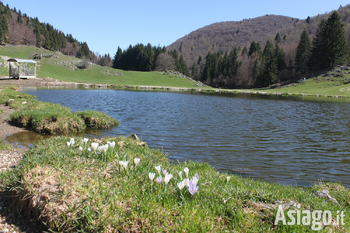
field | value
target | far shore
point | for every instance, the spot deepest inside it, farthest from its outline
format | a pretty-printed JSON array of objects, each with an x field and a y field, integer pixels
[{"x": 48, "y": 82}]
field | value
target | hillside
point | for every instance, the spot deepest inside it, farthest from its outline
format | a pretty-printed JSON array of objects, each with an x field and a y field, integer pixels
[
  {"x": 225, "y": 36},
  {"x": 66, "y": 68}
]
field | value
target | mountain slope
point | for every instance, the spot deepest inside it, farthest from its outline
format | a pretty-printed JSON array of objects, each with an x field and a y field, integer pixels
[{"x": 224, "y": 36}]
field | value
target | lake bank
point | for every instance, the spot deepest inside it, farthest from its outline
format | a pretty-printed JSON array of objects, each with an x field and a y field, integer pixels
[{"x": 55, "y": 83}]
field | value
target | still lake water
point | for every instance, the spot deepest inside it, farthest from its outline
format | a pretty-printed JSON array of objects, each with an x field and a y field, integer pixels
[{"x": 277, "y": 139}]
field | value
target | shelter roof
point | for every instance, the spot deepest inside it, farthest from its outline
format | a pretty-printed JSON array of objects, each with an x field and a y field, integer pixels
[{"x": 21, "y": 60}]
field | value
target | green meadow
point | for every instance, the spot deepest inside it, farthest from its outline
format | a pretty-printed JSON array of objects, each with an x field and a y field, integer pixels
[{"x": 65, "y": 68}]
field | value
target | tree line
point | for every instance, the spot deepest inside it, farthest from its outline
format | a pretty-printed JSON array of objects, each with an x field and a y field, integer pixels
[
  {"x": 147, "y": 58},
  {"x": 328, "y": 48}
]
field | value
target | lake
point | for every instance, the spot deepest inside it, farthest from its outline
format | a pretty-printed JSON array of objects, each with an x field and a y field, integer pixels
[{"x": 290, "y": 140}]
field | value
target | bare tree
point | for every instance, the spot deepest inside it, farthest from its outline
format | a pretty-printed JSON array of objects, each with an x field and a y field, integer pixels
[{"x": 165, "y": 62}]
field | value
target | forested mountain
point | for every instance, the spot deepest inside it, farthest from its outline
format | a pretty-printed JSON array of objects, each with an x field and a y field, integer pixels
[
  {"x": 17, "y": 28},
  {"x": 210, "y": 46},
  {"x": 225, "y": 36}
]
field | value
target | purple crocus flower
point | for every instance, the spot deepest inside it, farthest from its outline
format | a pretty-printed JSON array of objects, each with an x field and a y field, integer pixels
[
  {"x": 192, "y": 187},
  {"x": 159, "y": 180}
]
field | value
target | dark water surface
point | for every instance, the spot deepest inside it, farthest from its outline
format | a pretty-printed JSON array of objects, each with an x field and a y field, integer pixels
[{"x": 279, "y": 139}]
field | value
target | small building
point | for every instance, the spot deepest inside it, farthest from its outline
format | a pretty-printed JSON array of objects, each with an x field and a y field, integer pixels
[{"x": 22, "y": 68}]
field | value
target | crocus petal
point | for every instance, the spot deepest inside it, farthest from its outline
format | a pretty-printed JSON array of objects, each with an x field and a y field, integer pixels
[
  {"x": 192, "y": 188},
  {"x": 180, "y": 174},
  {"x": 186, "y": 170},
  {"x": 158, "y": 168},
  {"x": 159, "y": 179},
  {"x": 151, "y": 176},
  {"x": 94, "y": 145}
]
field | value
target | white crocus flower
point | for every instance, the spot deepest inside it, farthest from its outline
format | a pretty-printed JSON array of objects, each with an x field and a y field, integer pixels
[
  {"x": 94, "y": 145},
  {"x": 124, "y": 164},
  {"x": 72, "y": 141},
  {"x": 158, "y": 168},
  {"x": 164, "y": 171},
  {"x": 180, "y": 174},
  {"x": 151, "y": 176},
  {"x": 136, "y": 161},
  {"x": 167, "y": 178},
  {"x": 68, "y": 144},
  {"x": 186, "y": 170},
  {"x": 181, "y": 185},
  {"x": 84, "y": 140},
  {"x": 80, "y": 148},
  {"x": 112, "y": 144},
  {"x": 228, "y": 178},
  {"x": 187, "y": 182}
]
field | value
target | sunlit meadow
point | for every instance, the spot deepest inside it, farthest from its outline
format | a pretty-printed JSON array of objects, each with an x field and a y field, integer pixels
[{"x": 120, "y": 184}]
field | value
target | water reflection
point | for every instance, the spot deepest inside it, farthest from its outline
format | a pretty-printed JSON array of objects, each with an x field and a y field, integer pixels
[
  {"x": 278, "y": 139},
  {"x": 25, "y": 138}
]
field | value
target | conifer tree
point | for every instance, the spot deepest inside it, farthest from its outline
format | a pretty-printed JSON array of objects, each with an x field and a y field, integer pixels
[
  {"x": 330, "y": 47},
  {"x": 303, "y": 53},
  {"x": 19, "y": 17},
  {"x": 280, "y": 58},
  {"x": 278, "y": 37},
  {"x": 3, "y": 29},
  {"x": 254, "y": 47},
  {"x": 184, "y": 69},
  {"x": 316, "y": 48},
  {"x": 334, "y": 40},
  {"x": 84, "y": 51},
  {"x": 269, "y": 74}
]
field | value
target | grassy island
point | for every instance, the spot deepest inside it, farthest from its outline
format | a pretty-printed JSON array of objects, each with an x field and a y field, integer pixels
[{"x": 121, "y": 185}]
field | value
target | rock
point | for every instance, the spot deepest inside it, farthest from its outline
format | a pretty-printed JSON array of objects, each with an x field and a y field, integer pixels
[
  {"x": 134, "y": 136},
  {"x": 273, "y": 206},
  {"x": 325, "y": 194}
]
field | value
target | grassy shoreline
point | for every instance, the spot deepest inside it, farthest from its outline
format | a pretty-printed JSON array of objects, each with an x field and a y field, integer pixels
[
  {"x": 83, "y": 186},
  {"x": 334, "y": 83},
  {"x": 48, "y": 118}
]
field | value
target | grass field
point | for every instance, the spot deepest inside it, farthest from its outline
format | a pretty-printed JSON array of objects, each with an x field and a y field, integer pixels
[
  {"x": 122, "y": 185},
  {"x": 65, "y": 68}
]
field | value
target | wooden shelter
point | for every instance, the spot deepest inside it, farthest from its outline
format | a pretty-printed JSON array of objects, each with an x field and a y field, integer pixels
[{"x": 22, "y": 68}]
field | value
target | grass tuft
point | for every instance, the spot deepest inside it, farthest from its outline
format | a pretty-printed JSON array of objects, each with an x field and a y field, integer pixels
[{"x": 97, "y": 119}]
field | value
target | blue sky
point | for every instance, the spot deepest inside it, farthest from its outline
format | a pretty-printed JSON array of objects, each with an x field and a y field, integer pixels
[{"x": 107, "y": 24}]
